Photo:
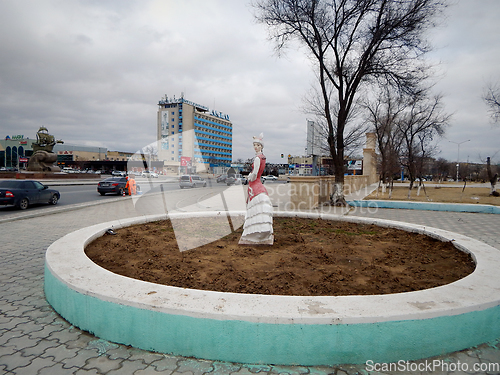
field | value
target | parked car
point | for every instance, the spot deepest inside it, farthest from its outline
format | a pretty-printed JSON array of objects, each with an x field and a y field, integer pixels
[
  {"x": 114, "y": 185},
  {"x": 25, "y": 193},
  {"x": 222, "y": 178},
  {"x": 191, "y": 181},
  {"x": 270, "y": 177},
  {"x": 118, "y": 173},
  {"x": 8, "y": 169}
]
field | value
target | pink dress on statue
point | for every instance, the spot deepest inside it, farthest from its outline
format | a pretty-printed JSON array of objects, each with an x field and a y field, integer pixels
[{"x": 258, "y": 227}]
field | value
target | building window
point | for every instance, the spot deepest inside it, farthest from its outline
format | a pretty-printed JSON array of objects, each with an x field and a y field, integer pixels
[{"x": 14, "y": 156}]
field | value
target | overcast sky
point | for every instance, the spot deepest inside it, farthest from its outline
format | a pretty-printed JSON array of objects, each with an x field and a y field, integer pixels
[{"x": 93, "y": 72}]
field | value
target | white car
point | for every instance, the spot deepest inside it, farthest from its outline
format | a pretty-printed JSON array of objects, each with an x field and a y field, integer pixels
[
  {"x": 270, "y": 177},
  {"x": 191, "y": 181}
]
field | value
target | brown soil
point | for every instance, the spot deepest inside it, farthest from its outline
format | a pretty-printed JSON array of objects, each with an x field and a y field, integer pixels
[{"x": 309, "y": 258}]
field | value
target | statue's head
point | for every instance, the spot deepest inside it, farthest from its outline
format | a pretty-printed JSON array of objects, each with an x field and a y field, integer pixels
[{"x": 258, "y": 142}]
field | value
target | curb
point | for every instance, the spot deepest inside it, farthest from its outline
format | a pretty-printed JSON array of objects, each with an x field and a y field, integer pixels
[
  {"x": 427, "y": 206},
  {"x": 308, "y": 331}
]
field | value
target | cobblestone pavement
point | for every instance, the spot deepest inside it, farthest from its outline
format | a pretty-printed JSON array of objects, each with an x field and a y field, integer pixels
[{"x": 36, "y": 340}]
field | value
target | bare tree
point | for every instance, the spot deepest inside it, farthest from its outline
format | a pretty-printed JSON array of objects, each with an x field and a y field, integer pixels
[
  {"x": 383, "y": 114},
  {"x": 492, "y": 99},
  {"x": 353, "y": 43},
  {"x": 422, "y": 122},
  {"x": 405, "y": 127},
  {"x": 441, "y": 169},
  {"x": 354, "y": 132}
]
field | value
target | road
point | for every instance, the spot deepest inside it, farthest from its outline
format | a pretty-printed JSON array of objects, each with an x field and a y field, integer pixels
[{"x": 173, "y": 198}]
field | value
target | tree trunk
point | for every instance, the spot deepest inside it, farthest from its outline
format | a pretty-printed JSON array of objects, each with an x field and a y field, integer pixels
[{"x": 493, "y": 178}]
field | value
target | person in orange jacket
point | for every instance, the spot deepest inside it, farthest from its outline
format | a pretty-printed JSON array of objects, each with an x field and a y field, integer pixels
[{"x": 131, "y": 186}]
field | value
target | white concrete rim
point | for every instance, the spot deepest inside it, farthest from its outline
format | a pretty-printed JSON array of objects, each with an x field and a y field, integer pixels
[{"x": 66, "y": 260}]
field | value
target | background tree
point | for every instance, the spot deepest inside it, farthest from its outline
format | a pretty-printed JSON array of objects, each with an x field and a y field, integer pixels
[
  {"x": 492, "y": 99},
  {"x": 353, "y": 43},
  {"x": 441, "y": 169},
  {"x": 354, "y": 132},
  {"x": 383, "y": 114},
  {"x": 423, "y": 120},
  {"x": 405, "y": 127}
]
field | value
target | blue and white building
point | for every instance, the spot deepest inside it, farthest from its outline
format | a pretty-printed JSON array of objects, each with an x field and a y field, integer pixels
[{"x": 191, "y": 134}]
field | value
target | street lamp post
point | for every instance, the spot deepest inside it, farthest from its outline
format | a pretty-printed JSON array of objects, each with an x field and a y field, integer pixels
[{"x": 458, "y": 154}]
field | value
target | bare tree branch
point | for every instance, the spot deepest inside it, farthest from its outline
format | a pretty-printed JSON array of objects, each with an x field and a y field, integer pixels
[{"x": 492, "y": 100}]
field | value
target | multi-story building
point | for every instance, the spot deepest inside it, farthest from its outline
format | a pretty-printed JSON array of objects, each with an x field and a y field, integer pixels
[
  {"x": 15, "y": 150},
  {"x": 190, "y": 135}
]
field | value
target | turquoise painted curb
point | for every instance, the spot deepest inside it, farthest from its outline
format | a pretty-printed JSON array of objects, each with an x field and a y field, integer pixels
[
  {"x": 284, "y": 330},
  {"x": 427, "y": 206},
  {"x": 261, "y": 343}
]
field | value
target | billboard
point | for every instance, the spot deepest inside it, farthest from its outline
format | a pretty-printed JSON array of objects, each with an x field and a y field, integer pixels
[
  {"x": 355, "y": 165},
  {"x": 185, "y": 161}
]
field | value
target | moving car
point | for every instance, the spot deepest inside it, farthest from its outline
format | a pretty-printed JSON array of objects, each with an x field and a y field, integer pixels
[
  {"x": 191, "y": 181},
  {"x": 149, "y": 174},
  {"x": 25, "y": 193},
  {"x": 222, "y": 178},
  {"x": 270, "y": 177},
  {"x": 236, "y": 179},
  {"x": 114, "y": 185}
]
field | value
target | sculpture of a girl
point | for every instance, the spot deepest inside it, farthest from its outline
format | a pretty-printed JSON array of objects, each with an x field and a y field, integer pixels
[{"x": 258, "y": 227}]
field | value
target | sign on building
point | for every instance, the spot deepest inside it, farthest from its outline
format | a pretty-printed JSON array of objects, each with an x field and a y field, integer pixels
[{"x": 355, "y": 165}]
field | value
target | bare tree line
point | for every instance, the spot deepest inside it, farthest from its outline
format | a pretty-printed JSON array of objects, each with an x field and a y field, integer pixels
[{"x": 405, "y": 127}]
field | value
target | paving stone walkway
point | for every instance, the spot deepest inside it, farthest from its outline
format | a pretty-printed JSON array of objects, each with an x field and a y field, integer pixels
[{"x": 36, "y": 340}]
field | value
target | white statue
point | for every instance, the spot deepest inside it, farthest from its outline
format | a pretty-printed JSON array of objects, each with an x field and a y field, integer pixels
[{"x": 258, "y": 227}]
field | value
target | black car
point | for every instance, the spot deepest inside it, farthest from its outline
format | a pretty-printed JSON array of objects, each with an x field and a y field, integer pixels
[
  {"x": 25, "y": 193},
  {"x": 114, "y": 185}
]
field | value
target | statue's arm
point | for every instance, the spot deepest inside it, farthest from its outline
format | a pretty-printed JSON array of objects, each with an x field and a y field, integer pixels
[{"x": 256, "y": 165}]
